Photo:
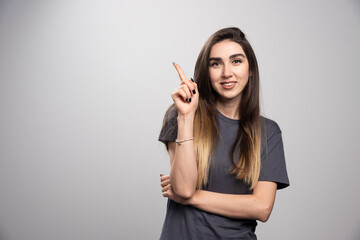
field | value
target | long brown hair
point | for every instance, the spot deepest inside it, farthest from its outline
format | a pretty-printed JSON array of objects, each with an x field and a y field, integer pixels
[{"x": 245, "y": 151}]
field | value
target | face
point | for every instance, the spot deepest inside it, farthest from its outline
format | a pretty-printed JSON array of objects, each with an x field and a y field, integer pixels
[{"x": 228, "y": 70}]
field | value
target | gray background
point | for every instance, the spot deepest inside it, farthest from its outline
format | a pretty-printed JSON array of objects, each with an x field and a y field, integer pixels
[{"x": 84, "y": 86}]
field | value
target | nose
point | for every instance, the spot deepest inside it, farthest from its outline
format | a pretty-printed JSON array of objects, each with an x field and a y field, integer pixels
[{"x": 227, "y": 72}]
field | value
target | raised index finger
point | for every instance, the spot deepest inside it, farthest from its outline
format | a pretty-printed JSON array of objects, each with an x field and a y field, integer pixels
[{"x": 180, "y": 71}]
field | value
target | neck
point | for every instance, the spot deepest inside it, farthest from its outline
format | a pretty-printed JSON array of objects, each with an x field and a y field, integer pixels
[{"x": 229, "y": 109}]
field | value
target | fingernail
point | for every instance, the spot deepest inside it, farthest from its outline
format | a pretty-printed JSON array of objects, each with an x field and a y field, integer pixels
[
  {"x": 189, "y": 99},
  {"x": 161, "y": 174},
  {"x": 173, "y": 63},
  {"x": 192, "y": 79},
  {"x": 194, "y": 91}
]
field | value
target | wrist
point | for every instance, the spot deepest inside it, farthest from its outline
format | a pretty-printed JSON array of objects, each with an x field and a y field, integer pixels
[
  {"x": 186, "y": 117},
  {"x": 185, "y": 126}
]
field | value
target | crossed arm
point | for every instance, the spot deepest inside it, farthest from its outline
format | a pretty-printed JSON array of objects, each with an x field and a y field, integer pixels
[{"x": 256, "y": 206}]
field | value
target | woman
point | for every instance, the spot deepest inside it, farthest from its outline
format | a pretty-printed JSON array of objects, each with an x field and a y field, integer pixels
[{"x": 226, "y": 160}]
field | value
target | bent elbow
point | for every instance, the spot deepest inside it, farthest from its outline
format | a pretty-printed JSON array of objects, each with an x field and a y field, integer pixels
[
  {"x": 264, "y": 218},
  {"x": 184, "y": 193},
  {"x": 265, "y": 213}
]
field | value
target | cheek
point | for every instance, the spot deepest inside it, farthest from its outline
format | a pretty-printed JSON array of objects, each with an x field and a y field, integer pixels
[
  {"x": 243, "y": 72},
  {"x": 214, "y": 75}
]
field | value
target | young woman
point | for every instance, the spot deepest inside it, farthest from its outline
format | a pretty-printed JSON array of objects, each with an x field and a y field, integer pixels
[{"x": 226, "y": 160}]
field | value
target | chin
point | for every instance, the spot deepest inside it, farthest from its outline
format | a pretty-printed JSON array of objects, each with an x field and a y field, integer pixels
[{"x": 229, "y": 98}]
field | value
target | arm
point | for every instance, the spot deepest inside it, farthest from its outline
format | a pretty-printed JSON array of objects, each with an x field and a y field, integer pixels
[
  {"x": 256, "y": 206},
  {"x": 183, "y": 174},
  {"x": 182, "y": 156}
]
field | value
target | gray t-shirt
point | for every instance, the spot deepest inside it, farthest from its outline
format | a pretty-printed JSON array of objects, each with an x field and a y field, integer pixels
[{"x": 187, "y": 222}]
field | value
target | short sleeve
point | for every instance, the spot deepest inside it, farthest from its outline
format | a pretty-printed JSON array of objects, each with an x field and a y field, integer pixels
[
  {"x": 168, "y": 131},
  {"x": 273, "y": 165}
]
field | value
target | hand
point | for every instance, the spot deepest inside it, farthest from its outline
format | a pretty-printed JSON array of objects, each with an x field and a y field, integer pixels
[
  {"x": 168, "y": 192},
  {"x": 185, "y": 99}
]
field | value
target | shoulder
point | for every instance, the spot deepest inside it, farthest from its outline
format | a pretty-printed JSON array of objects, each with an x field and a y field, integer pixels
[
  {"x": 270, "y": 130},
  {"x": 168, "y": 131},
  {"x": 273, "y": 165},
  {"x": 171, "y": 115},
  {"x": 269, "y": 126}
]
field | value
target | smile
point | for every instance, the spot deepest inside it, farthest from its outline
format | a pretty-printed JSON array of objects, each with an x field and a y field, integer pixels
[{"x": 228, "y": 85}]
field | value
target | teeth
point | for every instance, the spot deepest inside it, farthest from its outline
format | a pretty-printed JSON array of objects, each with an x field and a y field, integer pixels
[{"x": 228, "y": 84}]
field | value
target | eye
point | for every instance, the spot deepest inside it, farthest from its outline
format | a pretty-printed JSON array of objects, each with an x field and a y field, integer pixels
[
  {"x": 214, "y": 64},
  {"x": 237, "y": 61}
]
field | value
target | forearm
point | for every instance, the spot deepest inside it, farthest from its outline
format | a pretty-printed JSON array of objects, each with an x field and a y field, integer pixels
[
  {"x": 249, "y": 206},
  {"x": 183, "y": 175}
]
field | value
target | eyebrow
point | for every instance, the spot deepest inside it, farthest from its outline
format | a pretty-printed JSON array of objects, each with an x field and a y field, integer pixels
[{"x": 232, "y": 56}]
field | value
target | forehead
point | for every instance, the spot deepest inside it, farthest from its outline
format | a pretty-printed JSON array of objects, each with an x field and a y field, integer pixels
[{"x": 225, "y": 49}]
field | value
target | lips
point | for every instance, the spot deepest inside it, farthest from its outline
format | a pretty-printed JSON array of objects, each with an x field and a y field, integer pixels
[{"x": 228, "y": 84}]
